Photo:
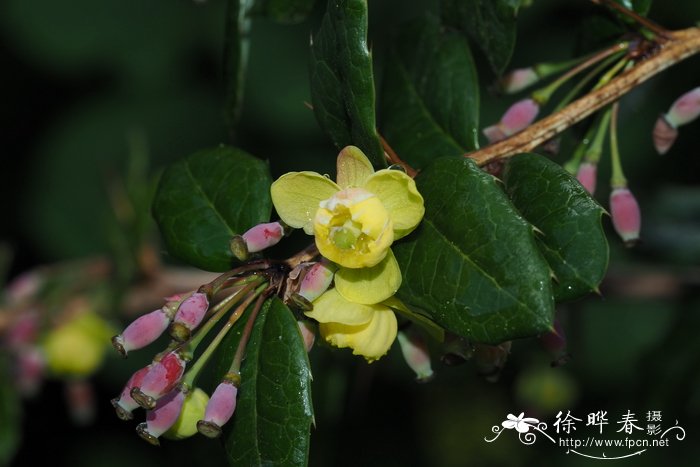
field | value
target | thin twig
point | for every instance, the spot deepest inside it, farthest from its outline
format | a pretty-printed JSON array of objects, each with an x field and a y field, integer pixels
[
  {"x": 681, "y": 45},
  {"x": 395, "y": 159},
  {"x": 646, "y": 22}
]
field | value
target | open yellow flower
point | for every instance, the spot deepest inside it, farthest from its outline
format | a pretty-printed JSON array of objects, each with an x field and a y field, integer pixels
[{"x": 354, "y": 223}]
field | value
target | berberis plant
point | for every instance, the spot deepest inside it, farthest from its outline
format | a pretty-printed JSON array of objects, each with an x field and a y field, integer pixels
[{"x": 435, "y": 231}]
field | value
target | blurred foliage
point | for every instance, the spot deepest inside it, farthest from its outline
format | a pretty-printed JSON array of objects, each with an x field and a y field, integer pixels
[{"x": 82, "y": 77}]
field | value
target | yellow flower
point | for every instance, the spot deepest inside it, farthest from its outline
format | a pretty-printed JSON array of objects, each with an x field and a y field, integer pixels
[{"x": 354, "y": 222}]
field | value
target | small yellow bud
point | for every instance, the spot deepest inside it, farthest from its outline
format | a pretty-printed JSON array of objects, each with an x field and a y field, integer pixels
[{"x": 192, "y": 410}]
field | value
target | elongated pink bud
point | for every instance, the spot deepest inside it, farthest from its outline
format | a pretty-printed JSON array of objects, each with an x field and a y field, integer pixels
[
  {"x": 308, "y": 333},
  {"x": 587, "y": 175},
  {"x": 24, "y": 287},
  {"x": 220, "y": 409},
  {"x": 160, "y": 379},
  {"x": 518, "y": 117},
  {"x": 141, "y": 332},
  {"x": 189, "y": 315},
  {"x": 626, "y": 216},
  {"x": 519, "y": 79},
  {"x": 263, "y": 236},
  {"x": 24, "y": 330},
  {"x": 415, "y": 352},
  {"x": 162, "y": 417},
  {"x": 685, "y": 109},
  {"x": 125, "y": 404},
  {"x": 317, "y": 280},
  {"x": 664, "y": 135},
  {"x": 29, "y": 370},
  {"x": 80, "y": 398}
]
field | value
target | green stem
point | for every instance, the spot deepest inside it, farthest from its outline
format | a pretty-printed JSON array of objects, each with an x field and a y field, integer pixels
[
  {"x": 573, "y": 164},
  {"x": 596, "y": 149},
  {"x": 618, "y": 179},
  {"x": 235, "y": 369},
  {"x": 201, "y": 362},
  {"x": 542, "y": 96}
]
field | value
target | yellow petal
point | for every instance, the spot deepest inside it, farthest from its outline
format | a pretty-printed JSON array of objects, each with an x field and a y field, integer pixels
[
  {"x": 296, "y": 196},
  {"x": 400, "y": 197},
  {"x": 353, "y": 167},
  {"x": 370, "y": 285},
  {"x": 332, "y": 307},
  {"x": 371, "y": 340}
]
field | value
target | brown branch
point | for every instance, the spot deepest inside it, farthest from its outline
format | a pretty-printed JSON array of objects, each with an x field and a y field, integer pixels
[
  {"x": 681, "y": 45},
  {"x": 646, "y": 22},
  {"x": 395, "y": 159}
]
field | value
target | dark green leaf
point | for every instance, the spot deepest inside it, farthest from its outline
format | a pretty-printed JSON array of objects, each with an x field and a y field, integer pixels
[
  {"x": 473, "y": 265},
  {"x": 573, "y": 241},
  {"x": 342, "y": 84},
  {"x": 274, "y": 413},
  {"x": 10, "y": 411},
  {"x": 205, "y": 199},
  {"x": 430, "y": 94},
  {"x": 236, "y": 57},
  {"x": 284, "y": 11},
  {"x": 490, "y": 23}
]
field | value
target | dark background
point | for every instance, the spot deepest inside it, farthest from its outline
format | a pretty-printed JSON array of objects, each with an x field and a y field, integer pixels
[{"x": 83, "y": 83}]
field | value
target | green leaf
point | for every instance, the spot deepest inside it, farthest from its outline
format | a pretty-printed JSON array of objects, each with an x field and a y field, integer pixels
[
  {"x": 490, "y": 23},
  {"x": 236, "y": 47},
  {"x": 284, "y": 11},
  {"x": 10, "y": 414},
  {"x": 473, "y": 265},
  {"x": 430, "y": 94},
  {"x": 272, "y": 422},
  {"x": 208, "y": 197},
  {"x": 573, "y": 241},
  {"x": 342, "y": 84}
]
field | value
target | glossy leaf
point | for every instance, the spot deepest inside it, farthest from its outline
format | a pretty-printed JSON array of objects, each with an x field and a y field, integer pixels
[
  {"x": 205, "y": 199},
  {"x": 284, "y": 11},
  {"x": 490, "y": 23},
  {"x": 236, "y": 47},
  {"x": 473, "y": 265},
  {"x": 430, "y": 94},
  {"x": 272, "y": 422},
  {"x": 572, "y": 240},
  {"x": 342, "y": 84}
]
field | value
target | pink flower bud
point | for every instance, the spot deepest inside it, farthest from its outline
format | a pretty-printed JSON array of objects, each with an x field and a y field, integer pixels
[
  {"x": 263, "y": 236},
  {"x": 162, "y": 417},
  {"x": 80, "y": 398},
  {"x": 219, "y": 409},
  {"x": 24, "y": 287},
  {"x": 308, "y": 334},
  {"x": 141, "y": 332},
  {"x": 664, "y": 135},
  {"x": 125, "y": 404},
  {"x": 685, "y": 109},
  {"x": 160, "y": 379},
  {"x": 316, "y": 280},
  {"x": 415, "y": 352},
  {"x": 625, "y": 215},
  {"x": 519, "y": 79},
  {"x": 554, "y": 342},
  {"x": 29, "y": 370},
  {"x": 24, "y": 330},
  {"x": 587, "y": 175},
  {"x": 518, "y": 117},
  {"x": 189, "y": 315}
]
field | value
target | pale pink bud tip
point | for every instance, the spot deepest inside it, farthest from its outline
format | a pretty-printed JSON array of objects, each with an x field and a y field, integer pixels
[
  {"x": 143, "y": 331},
  {"x": 189, "y": 316},
  {"x": 160, "y": 379},
  {"x": 519, "y": 116},
  {"x": 219, "y": 410},
  {"x": 494, "y": 134},
  {"x": 586, "y": 175},
  {"x": 124, "y": 404},
  {"x": 162, "y": 417},
  {"x": 316, "y": 281},
  {"x": 415, "y": 352},
  {"x": 625, "y": 214},
  {"x": 664, "y": 135},
  {"x": 685, "y": 109},
  {"x": 263, "y": 236},
  {"x": 518, "y": 79},
  {"x": 308, "y": 334}
]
